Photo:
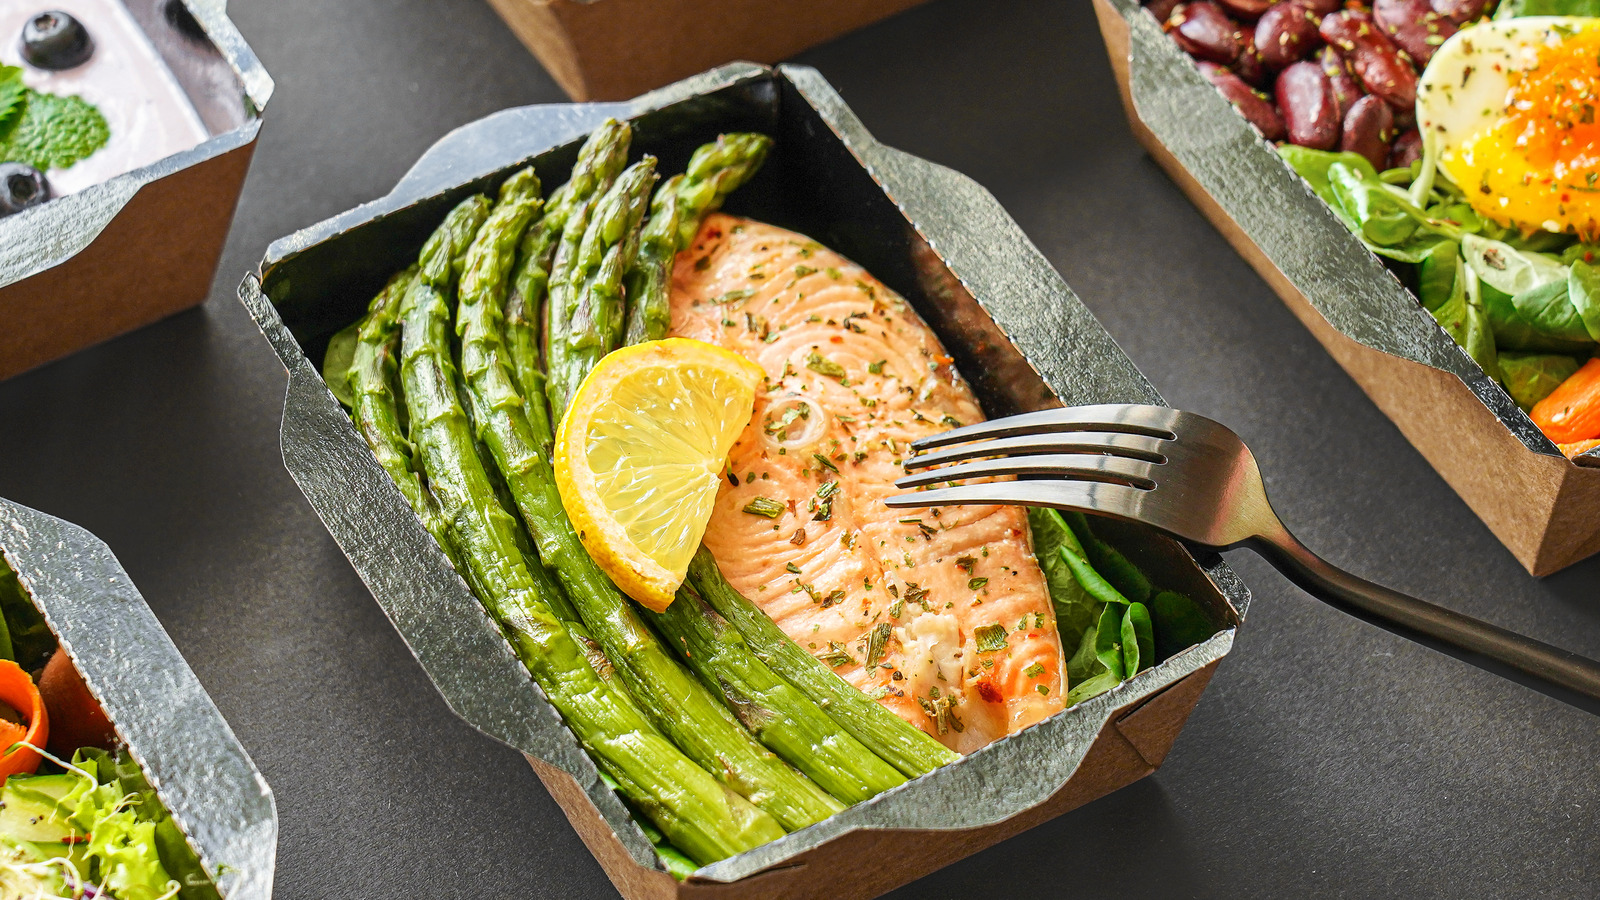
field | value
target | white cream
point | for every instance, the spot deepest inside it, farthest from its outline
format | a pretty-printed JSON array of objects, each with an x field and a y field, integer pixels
[{"x": 146, "y": 110}]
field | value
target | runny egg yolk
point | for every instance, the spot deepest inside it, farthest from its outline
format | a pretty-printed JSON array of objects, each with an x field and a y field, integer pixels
[{"x": 1539, "y": 166}]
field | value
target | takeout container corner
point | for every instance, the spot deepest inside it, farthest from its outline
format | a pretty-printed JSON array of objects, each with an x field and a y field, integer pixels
[
  {"x": 143, "y": 245},
  {"x": 1539, "y": 504},
  {"x": 159, "y": 709}
]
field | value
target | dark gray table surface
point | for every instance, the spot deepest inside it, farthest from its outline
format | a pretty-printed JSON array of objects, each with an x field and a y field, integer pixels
[{"x": 1328, "y": 758}]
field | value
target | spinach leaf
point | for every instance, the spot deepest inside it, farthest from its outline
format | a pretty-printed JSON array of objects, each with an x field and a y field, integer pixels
[
  {"x": 1514, "y": 331},
  {"x": 1109, "y": 561},
  {"x": 1091, "y": 687},
  {"x": 1530, "y": 377},
  {"x": 1178, "y": 623},
  {"x": 1072, "y": 554},
  {"x": 1382, "y": 217},
  {"x": 1436, "y": 276},
  {"x": 1083, "y": 664},
  {"x": 1108, "y": 642},
  {"x": 1468, "y": 325},
  {"x": 337, "y": 361},
  {"x": 1138, "y": 640},
  {"x": 1507, "y": 269},
  {"x": 1313, "y": 165},
  {"x": 1548, "y": 308},
  {"x": 1076, "y": 609},
  {"x": 1517, "y": 8},
  {"x": 1583, "y": 292}
]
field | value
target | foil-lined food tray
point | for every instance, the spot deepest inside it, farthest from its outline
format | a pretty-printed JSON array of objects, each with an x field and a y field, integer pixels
[
  {"x": 65, "y": 265},
  {"x": 1016, "y": 331},
  {"x": 1537, "y": 502},
  {"x": 153, "y": 699}
]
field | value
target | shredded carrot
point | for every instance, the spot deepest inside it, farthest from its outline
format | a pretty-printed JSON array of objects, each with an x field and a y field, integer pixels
[
  {"x": 18, "y": 691},
  {"x": 1572, "y": 411}
]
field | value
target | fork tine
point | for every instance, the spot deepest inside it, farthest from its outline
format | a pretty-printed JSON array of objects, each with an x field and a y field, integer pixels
[
  {"x": 1118, "y": 500},
  {"x": 1073, "y": 465},
  {"x": 1156, "y": 421},
  {"x": 1138, "y": 446}
]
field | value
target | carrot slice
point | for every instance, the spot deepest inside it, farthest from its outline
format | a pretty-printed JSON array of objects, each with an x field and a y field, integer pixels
[
  {"x": 1572, "y": 411},
  {"x": 18, "y": 691},
  {"x": 1579, "y": 448}
]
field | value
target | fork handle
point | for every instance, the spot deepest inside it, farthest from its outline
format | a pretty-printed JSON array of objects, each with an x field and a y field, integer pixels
[{"x": 1558, "y": 673}]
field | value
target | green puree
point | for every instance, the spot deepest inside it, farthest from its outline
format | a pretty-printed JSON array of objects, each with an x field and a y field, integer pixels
[{"x": 46, "y": 131}]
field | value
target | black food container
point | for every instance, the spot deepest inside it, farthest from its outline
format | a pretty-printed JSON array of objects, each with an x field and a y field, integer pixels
[{"x": 1016, "y": 331}]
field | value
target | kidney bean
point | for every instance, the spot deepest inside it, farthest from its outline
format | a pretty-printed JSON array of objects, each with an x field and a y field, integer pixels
[
  {"x": 1413, "y": 26},
  {"x": 1249, "y": 65},
  {"x": 1161, "y": 9},
  {"x": 1345, "y": 90},
  {"x": 1377, "y": 63},
  {"x": 1286, "y": 33},
  {"x": 1310, "y": 112},
  {"x": 1251, "y": 103},
  {"x": 1407, "y": 149},
  {"x": 1324, "y": 7},
  {"x": 1368, "y": 130},
  {"x": 1246, "y": 9},
  {"x": 1460, "y": 11},
  {"x": 1205, "y": 32}
]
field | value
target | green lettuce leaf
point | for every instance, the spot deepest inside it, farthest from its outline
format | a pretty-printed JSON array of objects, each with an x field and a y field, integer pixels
[
  {"x": 1583, "y": 292},
  {"x": 1436, "y": 274},
  {"x": 29, "y": 640},
  {"x": 1530, "y": 377},
  {"x": 1468, "y": 325},
  {"x": 1517, "y": 8}
]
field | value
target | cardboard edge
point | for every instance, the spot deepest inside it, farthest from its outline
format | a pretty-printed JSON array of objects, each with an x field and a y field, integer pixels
[
  {"x": 1540, "y": 508},
  {"x": 616, "y": 49},
  {"x": 115, "y": 283}
]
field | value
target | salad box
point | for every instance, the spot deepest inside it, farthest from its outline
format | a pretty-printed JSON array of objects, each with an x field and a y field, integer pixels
[
  {"x": 143, "y": 244},
  {"x": 1541, "y": 505},
  {"x": 614, "y": 49},
  {"x": 1018, "y": 333},
  {"x": 153, "y": 700}
]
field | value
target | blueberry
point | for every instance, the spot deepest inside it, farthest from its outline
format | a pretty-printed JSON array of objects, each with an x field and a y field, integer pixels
[
  {"x": 21, "y": 187},
  {"x": 55, "y": 40}
]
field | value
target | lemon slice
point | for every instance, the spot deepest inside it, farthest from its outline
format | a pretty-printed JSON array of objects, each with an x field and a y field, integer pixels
[{"x": 639, "y": 457}]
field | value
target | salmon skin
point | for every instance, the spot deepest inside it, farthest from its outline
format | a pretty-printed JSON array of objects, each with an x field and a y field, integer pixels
[{"x": 944, "y": 614}]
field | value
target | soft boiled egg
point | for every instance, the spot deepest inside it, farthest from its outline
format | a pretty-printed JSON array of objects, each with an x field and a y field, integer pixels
[{"x": 1508, "y": 109}]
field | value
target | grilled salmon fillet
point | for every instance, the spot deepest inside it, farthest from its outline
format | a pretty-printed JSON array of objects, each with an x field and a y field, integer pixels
[{"x": 943, "y": 615}]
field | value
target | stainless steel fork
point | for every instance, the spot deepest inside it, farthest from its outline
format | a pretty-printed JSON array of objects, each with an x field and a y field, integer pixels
[{"x": 1196, "y": 480}]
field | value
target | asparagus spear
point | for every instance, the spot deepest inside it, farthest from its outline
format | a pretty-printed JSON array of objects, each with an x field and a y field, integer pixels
[
  {"x": 670, "y": 696},
  {"x": 595, "y": 288},
  {"x": 715, "y": 171},
  {"x": 600, "y": 159},
  {"x": 699, "y": 815},
  {"x": 784, "y": 719},
  {"x": 647, "y": 284},
  {"x": 905, "y": 747},
  {"x": 485, "y": 268}
]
